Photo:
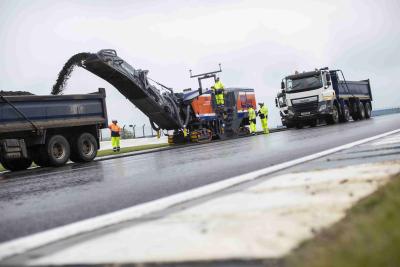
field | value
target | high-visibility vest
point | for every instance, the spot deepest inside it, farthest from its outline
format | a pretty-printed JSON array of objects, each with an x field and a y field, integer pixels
[
  {"x": 115, "y": 129},
  {"x": 218, "y": 87},
  {"x": 252, "y": 113},
  {"x": 263, "y": 112}
]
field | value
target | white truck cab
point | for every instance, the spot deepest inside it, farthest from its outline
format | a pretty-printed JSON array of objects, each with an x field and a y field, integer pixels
[{"x": 308, "y": 97}]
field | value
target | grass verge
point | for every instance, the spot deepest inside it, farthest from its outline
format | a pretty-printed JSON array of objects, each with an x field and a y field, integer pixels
[
  {"x": 369, "y": 235},
  {"x": 108, "y": 152}
]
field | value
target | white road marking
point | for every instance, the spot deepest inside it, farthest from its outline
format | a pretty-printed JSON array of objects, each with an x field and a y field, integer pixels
[
  {"x": 388, "y": 141},
  {"x": 265, "y": 220},
  {"x": 23, "y": 244}
]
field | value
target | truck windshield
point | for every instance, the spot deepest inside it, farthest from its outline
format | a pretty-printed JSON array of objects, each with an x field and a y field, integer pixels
[{"x": 305, "y": 83}]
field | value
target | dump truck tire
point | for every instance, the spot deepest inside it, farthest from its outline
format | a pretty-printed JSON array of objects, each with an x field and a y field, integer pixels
[
  {"x": 40, "y": 157},
  {"x": 58, "y": 150},
  {"x": 345, "y": 117},
  {"x": 313, "y": 123},
  {"x": 16, "y": 164},
  {"x": 299, "y": 125},
  {"x": 84, "y": 148},
  {"x": 367, "y": 108},
  {"x": 361, "y": 111},
  {"x": 334, "y": 118},
  {"x": 354, "y": 113}
]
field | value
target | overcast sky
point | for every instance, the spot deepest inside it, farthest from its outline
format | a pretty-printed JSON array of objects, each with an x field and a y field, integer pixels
[{"x": 257, "y": 42}]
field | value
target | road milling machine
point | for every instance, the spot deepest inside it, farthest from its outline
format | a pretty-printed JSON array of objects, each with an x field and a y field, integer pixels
[{"x": 191, "y": 115}]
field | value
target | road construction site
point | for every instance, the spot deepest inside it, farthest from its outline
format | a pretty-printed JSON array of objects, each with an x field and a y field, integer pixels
[
  {"x": 221, "y": 194},
  {"x": 255, "y": 198},
  {"x": 51, "y": 130}
]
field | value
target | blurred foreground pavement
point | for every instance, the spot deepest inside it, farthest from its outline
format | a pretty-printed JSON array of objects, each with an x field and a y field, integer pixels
[{"x": 262, "y": 219}]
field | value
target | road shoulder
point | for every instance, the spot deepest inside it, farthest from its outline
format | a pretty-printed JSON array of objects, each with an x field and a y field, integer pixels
[{"x": 262, "y": 220}]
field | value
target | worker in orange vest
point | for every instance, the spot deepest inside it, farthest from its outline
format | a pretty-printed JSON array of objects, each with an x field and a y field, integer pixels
[{"x": 115, "y": 135}]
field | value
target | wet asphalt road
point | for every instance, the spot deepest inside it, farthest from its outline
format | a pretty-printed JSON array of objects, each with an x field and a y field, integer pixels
[{"x": 40, "y": 199}]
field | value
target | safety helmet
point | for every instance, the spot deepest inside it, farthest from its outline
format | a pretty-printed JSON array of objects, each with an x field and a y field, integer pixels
[
  {"x": 261, "y": 103},
  {"x": 114, "y": 121}
]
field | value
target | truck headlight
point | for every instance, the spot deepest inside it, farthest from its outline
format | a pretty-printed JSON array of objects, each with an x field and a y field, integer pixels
[
  {"x": 328, "y": 95},
  {"x": 322, "y": 107}
]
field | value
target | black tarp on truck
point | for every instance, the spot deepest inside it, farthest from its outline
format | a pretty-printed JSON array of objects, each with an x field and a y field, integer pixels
[{"x": 50, "y": 130}]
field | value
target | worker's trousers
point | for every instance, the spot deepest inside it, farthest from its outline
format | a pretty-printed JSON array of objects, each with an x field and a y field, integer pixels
[
  {"x": 252, "y": 126},
  {"x": 264, "y": 124},
  {"x": 115, "y": 143},
  {"x": 219, "y": 99}
]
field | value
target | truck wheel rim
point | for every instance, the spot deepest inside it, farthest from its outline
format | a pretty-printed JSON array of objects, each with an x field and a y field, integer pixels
[
  {"x": 58, "y": 151},
  {"x": 335, "y": 115},
  {"x": 87, "y": 147}
]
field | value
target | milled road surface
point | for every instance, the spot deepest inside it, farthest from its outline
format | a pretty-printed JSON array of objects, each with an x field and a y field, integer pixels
[{"x": 41, "y": 199}]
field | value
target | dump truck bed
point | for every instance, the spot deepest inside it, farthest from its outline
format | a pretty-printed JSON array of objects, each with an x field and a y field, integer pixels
[
  {"x": 345, "y": 89},
  {"x": 361, "y": 89},
  {"x": 31, "y": 112}
]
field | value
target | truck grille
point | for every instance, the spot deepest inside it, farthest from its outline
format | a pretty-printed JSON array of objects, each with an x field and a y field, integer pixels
[{"x": 306, "y": 107}]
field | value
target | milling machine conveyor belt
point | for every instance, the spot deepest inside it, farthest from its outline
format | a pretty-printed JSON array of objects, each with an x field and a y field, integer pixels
[{"x": 162, "y": 108}]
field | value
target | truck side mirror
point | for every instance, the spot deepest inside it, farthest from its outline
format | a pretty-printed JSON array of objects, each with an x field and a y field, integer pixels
[
  {"x": 328, "y": 77},
  {"x": 328, "y": 83},
  {"x": 276, "y": 102},
  {"x": 282, "y": 85}
]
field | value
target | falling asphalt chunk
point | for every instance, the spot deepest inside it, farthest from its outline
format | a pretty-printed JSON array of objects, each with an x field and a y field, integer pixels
[{"x": 63, "y": 76}]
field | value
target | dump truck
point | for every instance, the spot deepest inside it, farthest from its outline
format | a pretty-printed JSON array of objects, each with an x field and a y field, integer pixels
[
  {"x": 322, "y": 95},
  {"x": 177, "y": 112},
  {"x": 50, "y": 130}
]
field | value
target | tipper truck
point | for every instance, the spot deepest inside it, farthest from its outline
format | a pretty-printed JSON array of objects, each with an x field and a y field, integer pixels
[
  {"x": 50, "y": 130},
  {"x": 322, "y": 95}
]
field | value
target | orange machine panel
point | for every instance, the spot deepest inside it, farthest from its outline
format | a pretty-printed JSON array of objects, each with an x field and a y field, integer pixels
[{"x": 202, "y": 106}]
